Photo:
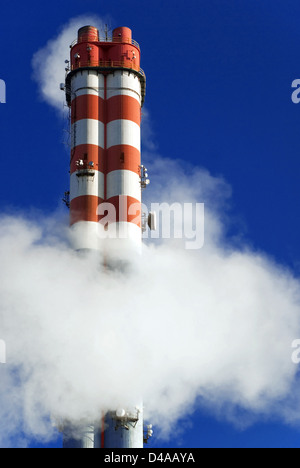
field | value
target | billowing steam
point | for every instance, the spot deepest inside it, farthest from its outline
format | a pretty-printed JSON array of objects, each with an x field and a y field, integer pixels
[
  {"x": 212, "y": 326},
  {"x": 49, "y": 62}
]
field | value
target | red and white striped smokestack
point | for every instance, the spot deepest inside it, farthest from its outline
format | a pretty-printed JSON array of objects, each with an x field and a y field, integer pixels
[{"x": 105, "y": 90}]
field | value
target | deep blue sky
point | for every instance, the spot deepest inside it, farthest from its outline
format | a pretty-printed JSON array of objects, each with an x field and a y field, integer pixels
[{"x": 219, "y": 76}]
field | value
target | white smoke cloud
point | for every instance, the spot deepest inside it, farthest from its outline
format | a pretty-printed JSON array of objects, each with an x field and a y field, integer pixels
[
  {"x": 49, "y": 62},
  {"x": 215, "y": 324},
  {"x": 212, "y": 326}
]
